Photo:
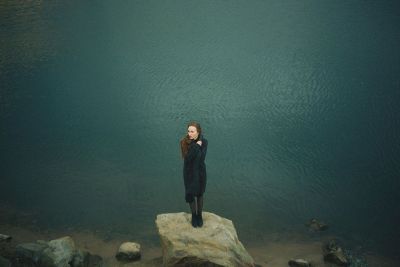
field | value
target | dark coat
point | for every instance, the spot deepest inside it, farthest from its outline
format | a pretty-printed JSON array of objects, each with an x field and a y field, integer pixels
[{"x": 194, "y": 168}]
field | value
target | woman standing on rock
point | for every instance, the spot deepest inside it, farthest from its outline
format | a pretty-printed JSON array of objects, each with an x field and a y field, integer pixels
[{"x": 194, "y": 149}]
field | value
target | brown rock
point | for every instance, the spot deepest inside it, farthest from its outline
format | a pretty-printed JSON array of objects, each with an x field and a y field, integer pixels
[{"x": 214, "y": 244}]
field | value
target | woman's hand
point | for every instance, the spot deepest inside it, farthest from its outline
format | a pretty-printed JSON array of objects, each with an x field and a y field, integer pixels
[{"x": 199, "y": 143}]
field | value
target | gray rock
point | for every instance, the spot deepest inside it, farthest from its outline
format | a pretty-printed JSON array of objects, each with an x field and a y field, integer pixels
[
  {"x": 316, "y": 225},
  {"x": 60, "y": 251},
  {"x": 4, "y": 262},
  {"x": 214, "y": 244},
  {"x": 334, "y": 254},
  {"x": 129, "y": 251},
  {"x": 299, "y": 263}
]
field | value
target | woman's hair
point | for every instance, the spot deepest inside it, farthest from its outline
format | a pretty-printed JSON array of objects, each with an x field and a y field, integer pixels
[{"x": 186, "y": 140}]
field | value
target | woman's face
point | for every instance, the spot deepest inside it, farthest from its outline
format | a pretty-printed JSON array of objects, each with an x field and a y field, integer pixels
[{"x": 192, "y": 132}]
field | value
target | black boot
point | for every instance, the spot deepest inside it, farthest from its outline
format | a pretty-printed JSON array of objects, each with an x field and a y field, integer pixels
[
  {"x": 193, "y": 210},
  {"x": 199, "y": 211},
  {"x": 194, "y": 220},
  {"x": 199, "y": 220}
]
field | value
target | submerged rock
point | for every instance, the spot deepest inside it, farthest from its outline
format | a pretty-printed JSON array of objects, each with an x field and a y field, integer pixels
[
  {"x": 85, "y": 259},
  {"x": 214, "y": 244},
  {"x": 316, "y": 225},
  {"x": 299, "y": 263},
  {"x": 30, "y": 253},
  {"x": 128, "y": 251},
  {"x": 5, "y": 238},
  {"x": 94, "y": 261},
  {"x": 334, "y": 254},
  {"x": 55, "y": 253}
]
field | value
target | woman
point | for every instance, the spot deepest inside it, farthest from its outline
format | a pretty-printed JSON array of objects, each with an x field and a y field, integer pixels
[{"x": 194, "y": 149}]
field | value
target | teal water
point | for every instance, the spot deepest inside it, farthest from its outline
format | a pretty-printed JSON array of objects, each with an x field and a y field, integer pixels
[{"x": 298, "y": 99}]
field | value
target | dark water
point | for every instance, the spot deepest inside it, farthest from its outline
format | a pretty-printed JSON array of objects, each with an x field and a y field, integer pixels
[{"x": 298, "y": 99}]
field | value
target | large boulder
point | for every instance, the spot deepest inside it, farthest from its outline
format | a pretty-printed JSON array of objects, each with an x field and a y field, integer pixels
[{"x": 214, "y": 244}]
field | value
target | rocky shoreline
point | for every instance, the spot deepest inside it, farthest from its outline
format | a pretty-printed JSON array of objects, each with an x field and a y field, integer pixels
[{"x": 87, "y": 249}]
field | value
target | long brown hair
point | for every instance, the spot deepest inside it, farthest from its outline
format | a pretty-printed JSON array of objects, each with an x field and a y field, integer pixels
[{"x": 185, "y": 141}]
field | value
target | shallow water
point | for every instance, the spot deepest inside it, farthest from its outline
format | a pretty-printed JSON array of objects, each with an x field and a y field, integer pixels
[{"x": 297, "y": 99}]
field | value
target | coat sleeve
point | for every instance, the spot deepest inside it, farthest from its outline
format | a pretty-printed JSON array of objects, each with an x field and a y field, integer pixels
[{"x": 193, "y": 151}]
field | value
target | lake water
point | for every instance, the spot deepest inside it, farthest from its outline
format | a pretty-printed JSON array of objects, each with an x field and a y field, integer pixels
[{"x": 298, "y": 100}]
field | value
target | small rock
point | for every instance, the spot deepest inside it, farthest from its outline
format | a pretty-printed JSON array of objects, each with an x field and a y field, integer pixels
[
  {"x": 85, "y": 259},
  {"x": 93, "y": 261},
  {"x": 128, "y": 251},
  {"x": 299, "y": 263},
  {"x": 334, "y": 254},
  {"x": 78, "y": 259},
  {"x": 5, "y": 238},
  {"x": 316, "y": 225}
]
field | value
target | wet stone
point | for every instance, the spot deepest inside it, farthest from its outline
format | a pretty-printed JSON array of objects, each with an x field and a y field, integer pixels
[
  {"x": 334, "y": 254},
  {"x": 316, "y": 225},
  {"x": 299, "y": 263}
]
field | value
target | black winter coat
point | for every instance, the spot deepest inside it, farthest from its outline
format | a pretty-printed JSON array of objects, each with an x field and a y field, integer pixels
[{"x": 194, "y": 168}]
